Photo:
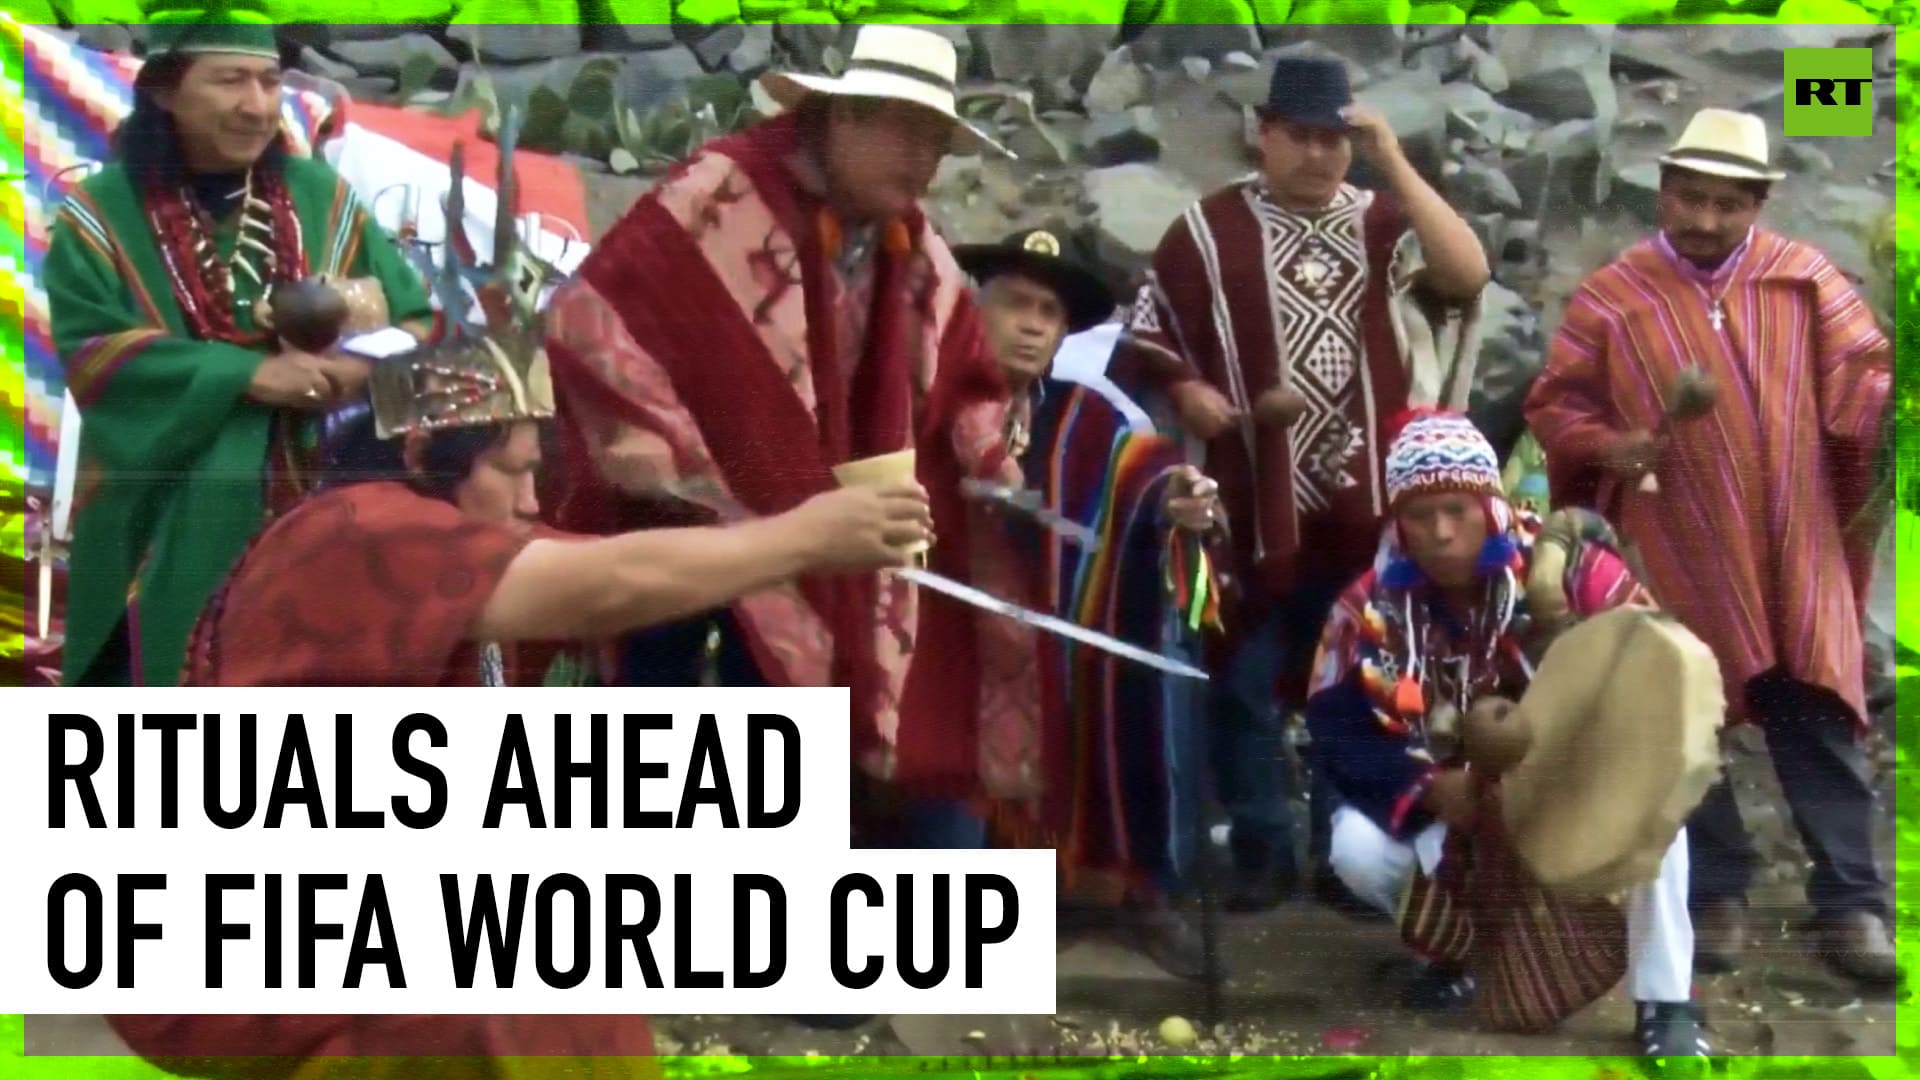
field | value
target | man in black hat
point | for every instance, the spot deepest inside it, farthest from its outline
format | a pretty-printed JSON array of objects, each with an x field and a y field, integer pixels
[
  {"x": 1119, "y": 764},
  {"x": 1267, "y": 323}
]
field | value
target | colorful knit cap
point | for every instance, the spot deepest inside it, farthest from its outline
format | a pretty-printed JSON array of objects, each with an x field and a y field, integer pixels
[
  {"x": 1436, "y": 452},
  {"x": 209, "y": 26}
]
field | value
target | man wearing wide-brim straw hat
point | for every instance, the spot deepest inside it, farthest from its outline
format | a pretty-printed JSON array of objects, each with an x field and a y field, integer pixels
[
  {"x": 1462, "y": 591},
  {"x": 197, "y": 416},
  {"x": 1744, "y": 524},
  {"x": 779, "y": 307}
]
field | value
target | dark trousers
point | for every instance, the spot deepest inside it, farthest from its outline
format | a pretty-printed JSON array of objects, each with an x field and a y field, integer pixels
[
  {"x": 675, "y": 654},
  {"x": 1823, "y": 772},
  {"x": 1253, "y": 769}
]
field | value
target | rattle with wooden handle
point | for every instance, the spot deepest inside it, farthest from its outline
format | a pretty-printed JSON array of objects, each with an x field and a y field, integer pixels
[{"x": 1691, "y": 395}]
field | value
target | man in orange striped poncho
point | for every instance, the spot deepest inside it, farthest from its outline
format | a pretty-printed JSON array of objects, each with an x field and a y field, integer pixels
[{"x": 1746, "y": 530}]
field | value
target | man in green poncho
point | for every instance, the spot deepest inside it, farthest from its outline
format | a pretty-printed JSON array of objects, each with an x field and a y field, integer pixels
[{"x": 197, "y": 419}]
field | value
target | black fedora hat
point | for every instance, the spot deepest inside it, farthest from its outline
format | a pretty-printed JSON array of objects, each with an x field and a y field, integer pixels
[
  {"x": 1310, "y": 91},
  {"x": 1038, "y": 254}
]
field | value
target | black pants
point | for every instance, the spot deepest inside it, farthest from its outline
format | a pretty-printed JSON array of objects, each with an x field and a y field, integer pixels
[{"x": 1823, "y": 772}]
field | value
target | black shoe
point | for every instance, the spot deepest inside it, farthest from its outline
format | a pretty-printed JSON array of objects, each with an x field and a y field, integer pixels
[
  {"x": 1719, "y": 936},
  {"x": 1258, "y": 890},
  {"x": 1439, "y": 988},
  {"x": 1264, "y": 875},
  {"x": 1171, "y": 940},
  {"x": 1668, "y": 1030}
]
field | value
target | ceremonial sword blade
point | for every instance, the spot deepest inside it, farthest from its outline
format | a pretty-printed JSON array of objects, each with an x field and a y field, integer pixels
[{"x": 970, "y": 595}]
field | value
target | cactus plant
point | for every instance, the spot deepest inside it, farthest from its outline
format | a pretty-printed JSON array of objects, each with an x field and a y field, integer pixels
[{"x": 591, "y": 121}]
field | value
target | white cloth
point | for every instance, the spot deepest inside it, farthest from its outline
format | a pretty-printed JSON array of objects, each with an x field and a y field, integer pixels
[
  {"x": 1378, "y": 869},
  {"x": 1083, "y": 359}
]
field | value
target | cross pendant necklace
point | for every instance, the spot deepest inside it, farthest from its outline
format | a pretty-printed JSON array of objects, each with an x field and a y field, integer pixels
[{"x": 1717, "y": 316}]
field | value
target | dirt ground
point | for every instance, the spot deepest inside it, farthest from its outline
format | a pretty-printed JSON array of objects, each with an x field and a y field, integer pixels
[{"x": 1309, "y": 980}]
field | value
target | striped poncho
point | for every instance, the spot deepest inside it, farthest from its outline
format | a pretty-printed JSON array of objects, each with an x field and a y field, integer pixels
[{"x": 1755, "y": 498}]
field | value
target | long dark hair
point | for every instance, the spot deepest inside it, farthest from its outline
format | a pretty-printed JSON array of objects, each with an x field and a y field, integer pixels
[
  {"x": 351, "y": 452},
  {"x": 147, "y": 144}
]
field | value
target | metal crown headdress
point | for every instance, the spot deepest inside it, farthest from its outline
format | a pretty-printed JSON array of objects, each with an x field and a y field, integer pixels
[{"x": 475, "y": 377}]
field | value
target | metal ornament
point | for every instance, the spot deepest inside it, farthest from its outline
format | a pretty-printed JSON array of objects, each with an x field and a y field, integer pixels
[{"x": 1041, "y": 242}]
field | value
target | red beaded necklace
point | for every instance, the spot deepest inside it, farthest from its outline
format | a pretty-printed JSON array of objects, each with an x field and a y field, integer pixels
[{"x": 202, "y": 282}]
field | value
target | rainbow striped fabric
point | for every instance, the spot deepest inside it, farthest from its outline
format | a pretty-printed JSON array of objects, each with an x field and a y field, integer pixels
[{"x": 71, "y": 98}]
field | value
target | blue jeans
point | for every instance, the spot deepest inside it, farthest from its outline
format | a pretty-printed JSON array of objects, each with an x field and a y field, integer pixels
[{"x": 1253, "y": 775}]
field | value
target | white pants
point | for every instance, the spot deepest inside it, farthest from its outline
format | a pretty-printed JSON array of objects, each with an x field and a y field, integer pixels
[{"x": 1377, "y": 869}]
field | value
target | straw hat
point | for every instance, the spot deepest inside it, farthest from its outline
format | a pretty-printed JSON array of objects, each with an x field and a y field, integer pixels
[
  {"x": 1722, "y": 142},
  {"x": 1625, "y": 713},
  {"x": 905, "y": 63}
]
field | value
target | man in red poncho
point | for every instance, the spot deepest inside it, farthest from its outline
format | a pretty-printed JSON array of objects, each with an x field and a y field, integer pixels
[
  {"x": 1268, "y": 322},
  {"x": 420, "y": 564},
  {"x": 1749, "y": 534},
  {"x": 775, "y": 308}
]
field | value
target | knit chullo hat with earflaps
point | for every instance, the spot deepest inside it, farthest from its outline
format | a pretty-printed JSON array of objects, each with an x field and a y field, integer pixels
[{"x": 1438, "y": 452}]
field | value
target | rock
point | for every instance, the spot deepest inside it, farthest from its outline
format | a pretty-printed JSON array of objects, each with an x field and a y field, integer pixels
[
  {"x": 1557, "y": 72},
  {"x": 1636, "y": 188},
  {"x": 1370, "y": 44},
  {"x": 1197, "y": 68},
  {"x": 1474, "y": 186},
  {"x": 385, "y": 58},
  {"x": 712, "y": 45},
  {"x": 1029, "y": 52},
  {"x": 1411, "y": 103},
  {"x": 370, "y": 87},
  {"x": 319, "y": 63},
  {"x": 106, "y": 37},
  {"x": 1134, "y": 204},
  {"x": 1120, "y": 138},
  {"x": 1490, "y": 74},
  {"x": 1512, "y": 353},
  {"x": 1119, "y": 84},
  {"x": 602, "y": 36},
  {"x": 1754, "y": 49},
  {"x": 1239, "y": 61},
  {"x": 1552, "y": 159},
  {"x": 1474, "y": 115},
  {"x": 754, "y": 53},
  {"x": 649, "y": 78},
  {"x": 1165, "y": 45},
  {"x": 519, "y": 44},
  {"x": 1803, "y": 157},
  {"x": 1034, "y": 148},
  {"x": 801, "y": 46},
  {"x": 334, "y": 33},
  {"x": 1838, "y": 219}
]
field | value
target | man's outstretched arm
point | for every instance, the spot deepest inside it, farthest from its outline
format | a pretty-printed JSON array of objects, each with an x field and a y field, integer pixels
[{"x": 561, "y": 590}]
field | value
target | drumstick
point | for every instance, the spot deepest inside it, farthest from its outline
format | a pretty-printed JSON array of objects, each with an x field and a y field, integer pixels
[{"x": 1691, "y": 395}]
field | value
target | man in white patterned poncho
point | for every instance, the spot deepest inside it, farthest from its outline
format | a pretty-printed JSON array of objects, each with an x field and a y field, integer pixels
[{"x": 1266, "y": 324}]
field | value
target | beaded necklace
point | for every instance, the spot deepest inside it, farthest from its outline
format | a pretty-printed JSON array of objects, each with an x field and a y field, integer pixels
[{"x": 270, "y": 248}]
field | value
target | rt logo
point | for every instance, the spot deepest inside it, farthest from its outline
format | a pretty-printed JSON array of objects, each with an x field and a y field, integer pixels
[{"x": 1829, "y": 91}]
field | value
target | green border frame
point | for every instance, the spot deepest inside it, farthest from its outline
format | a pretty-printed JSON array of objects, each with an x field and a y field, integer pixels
[{"x": 1906, "y": 1061}]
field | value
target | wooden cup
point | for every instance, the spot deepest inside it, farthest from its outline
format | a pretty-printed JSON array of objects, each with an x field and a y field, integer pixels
[{"x": 884, "y": 470}]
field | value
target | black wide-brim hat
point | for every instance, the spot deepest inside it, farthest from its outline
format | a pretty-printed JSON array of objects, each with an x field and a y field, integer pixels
[
  {"x": 1037, "y": 254},
  {"x": 1310, "y": 91}
]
